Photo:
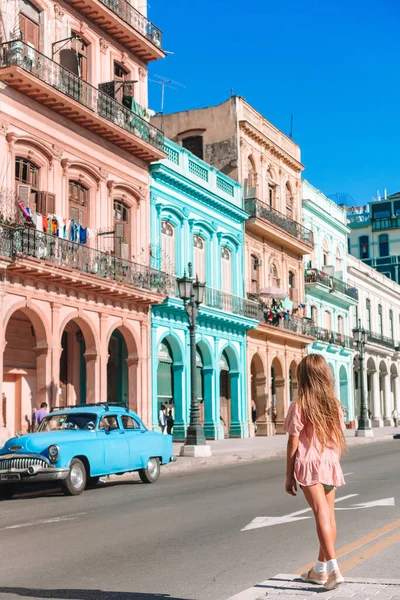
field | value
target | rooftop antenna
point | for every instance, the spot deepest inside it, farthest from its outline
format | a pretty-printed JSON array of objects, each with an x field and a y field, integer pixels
[
  {"x": 291, "y": 126},
  {"x": 169, "y": 83},
  {"x": 232, "y": 92}
]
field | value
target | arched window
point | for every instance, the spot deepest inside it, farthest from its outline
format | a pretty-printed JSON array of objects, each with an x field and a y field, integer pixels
[
  {"x": 338, "y": 266},
  {"x": 273, "y": 276},
  {"x": 251, "y": 184},
  {"x": 121, "y": 230},
  {"x": 254, "y": 266},
  {"x": 78, "y": 203},
  {"x": 384, "y": 245},
  {"x": 271, "y": 190},
  {"x": 325, "y": 254},
  {"x": 289, "y": 201},
  {"x": 226, "y": 258},
  {"x": 199, "y": 257},
  {"x": 328, "y": 323},
  {"x": 27, "y": 182},
  {"x": 168, "y": 247},
  {"x": 292, "y": 286}
]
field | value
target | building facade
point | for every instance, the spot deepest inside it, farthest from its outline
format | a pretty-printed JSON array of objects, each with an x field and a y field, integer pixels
[
  {"x": 374, "y": 236},
  {"x": 329, "y": 295},
  {"x": 378, "y": 311},
  {"x": 240, "y": 142},
  {"x": 197, "y": 217},
  {"x": 75, "y": 148}
]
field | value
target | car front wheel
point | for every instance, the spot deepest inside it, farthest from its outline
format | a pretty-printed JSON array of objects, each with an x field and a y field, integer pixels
[
  {"x": 75, "y": 483},
  {"x": 152, "y": 471},
  {"x": 7, "y": 492}
]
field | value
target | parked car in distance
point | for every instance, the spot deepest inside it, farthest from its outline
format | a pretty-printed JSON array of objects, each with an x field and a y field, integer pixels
[{"x": 76, "y": 445}]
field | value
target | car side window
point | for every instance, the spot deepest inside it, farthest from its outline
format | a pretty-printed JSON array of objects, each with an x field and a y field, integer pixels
[
  {"x": 109, "y": 420},
  {"x": 129, "y": 423}
]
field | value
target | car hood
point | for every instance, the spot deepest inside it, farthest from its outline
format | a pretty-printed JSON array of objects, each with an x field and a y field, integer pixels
[{"x": 37, "y": 442}]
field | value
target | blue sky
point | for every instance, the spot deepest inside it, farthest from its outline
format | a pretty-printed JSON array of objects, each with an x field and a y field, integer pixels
[{"x": 334, "y": 64}]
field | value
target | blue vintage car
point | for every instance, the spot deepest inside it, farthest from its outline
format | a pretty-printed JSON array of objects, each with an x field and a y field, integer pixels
[{"x": 77, "y": 445}]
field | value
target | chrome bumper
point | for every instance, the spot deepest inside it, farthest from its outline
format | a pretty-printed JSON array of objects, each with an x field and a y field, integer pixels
[
  {"x": 173, "y": 458},
  {"x": 25, "y": 468}
]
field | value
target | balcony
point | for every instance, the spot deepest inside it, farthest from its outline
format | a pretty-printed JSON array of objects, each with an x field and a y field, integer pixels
[
  {"x": 265, "y": 221},
  {"x": 381, "y": 340},
  {"x": 45, "y": 81},
  {"x": 60, "y": 262},
  {"x": 293, "y": 324},
  {"x": 232, "y": 304},
  {"x": 337, "y": 342},
  {"x": 326, "y": 286},
  {"x": 125, "y": 24},
  {"x": 388, "y": 223}
]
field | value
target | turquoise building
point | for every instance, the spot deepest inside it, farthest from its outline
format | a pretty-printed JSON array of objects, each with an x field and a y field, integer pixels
[
  {"x": 197, "y": 217},
  {"x": 329, "y": 294}
]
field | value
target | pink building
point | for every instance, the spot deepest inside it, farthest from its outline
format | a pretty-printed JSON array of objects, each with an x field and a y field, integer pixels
[{"x": 75, "y": 148}]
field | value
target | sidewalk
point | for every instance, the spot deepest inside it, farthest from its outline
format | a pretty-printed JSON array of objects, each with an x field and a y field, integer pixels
[
  {"x": 236, "y": 451},
  {"x": 290, "y": 587}
]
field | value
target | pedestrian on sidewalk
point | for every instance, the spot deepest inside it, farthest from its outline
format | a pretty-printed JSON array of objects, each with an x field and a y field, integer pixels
[
  {"x": 162, "y": 418},
  {"x": 315, "y": 425},
  {"x": 39, "y": 415},
  {"x": 394, "y": 417},
  {"x": 170, "y": 422}
]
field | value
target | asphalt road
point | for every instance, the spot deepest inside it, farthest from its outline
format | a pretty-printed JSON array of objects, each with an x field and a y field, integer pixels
[{"x": 181, "y": 538}]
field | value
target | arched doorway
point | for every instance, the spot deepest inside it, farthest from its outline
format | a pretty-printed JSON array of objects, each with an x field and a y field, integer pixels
[
  {"x": 117, "y": 369},
  {"x": 25, "y": 369},
  {"x": 165, "y": 377},
  {"x": 259, "y": 396},
  {"x": 225, "y": 393},
  {"x": 385, "y": 393},
  {"x": 278, "y": 395},
  {"x": 171, "y": 389},
  {"x": 200, "y": 383},
  {"x": 293, "y": 382},
  {"x": 73, "y": 373},
  {"x": 344, "y": 392}
]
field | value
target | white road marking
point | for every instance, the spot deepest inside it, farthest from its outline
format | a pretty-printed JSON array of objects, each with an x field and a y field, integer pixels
[
  {"x": 382, "y": 502},
  {"x": 259, "y": 522},
  {"x": 44, "y": 521},
  {"x": 347, "y": 474}
]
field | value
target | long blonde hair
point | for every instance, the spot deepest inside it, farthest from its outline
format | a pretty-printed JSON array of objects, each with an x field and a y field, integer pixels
[{"x": 318, "y": 403}]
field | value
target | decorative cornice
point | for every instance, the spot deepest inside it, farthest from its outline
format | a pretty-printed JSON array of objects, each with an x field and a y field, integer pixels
[
  {"x": 103, "y": 45},
  {"x": 58, "y": 12}
]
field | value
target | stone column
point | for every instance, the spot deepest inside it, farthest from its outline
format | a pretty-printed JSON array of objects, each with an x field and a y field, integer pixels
[
  {"x": 102, "y": 370},
  {"x": 376, "y": 404},
  {"x": 133, "y": 400},
  {"x": 396, "y": 386},
  {"x": 387, "y": 401},
  {"x": 56, "y": 353}
]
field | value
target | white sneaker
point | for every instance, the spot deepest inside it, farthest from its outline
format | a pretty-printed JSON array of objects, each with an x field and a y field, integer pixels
[{"x": 334, "y": 580}]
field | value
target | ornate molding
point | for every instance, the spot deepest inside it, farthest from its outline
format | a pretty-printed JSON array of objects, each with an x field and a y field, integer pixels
[
  {"x": 58, "y": 12},
  {"x": 11, "y": 139},
  {"x": 57, "y": 151},
  {"x": 103, "y": 174},
  {"x": 142, "y": 74},
  {"x": 83, "y": 27},
  {"x": 3, "y": 126},
  {"x": 65, "y": 164},
  {"x": 103, "y": 45},
  {"x": 124, "y": 57}
]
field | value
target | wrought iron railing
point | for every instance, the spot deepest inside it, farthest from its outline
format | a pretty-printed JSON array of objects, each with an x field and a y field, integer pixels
[
  {"x": 135, "y": 19},
  {"x": 382, "y": 340},
  {"x": 26, "y": 242},
  {"x": 335, "y": 285},
  {"x": 333, "y": 337},
  {"x": 22, "y": 55},
  {"x": 257, "y": 208},
  {"x": 288, "y": 322},
  {"x": 232, "y": 304}
]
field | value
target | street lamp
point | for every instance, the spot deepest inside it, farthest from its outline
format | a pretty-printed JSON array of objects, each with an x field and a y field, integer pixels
[
  {"x": 364, "y": 425},
  {"x": 192, "y": 293}
]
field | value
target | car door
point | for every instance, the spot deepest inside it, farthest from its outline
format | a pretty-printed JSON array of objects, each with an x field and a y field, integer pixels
[
  {"x": 115, "y": 443},
  {"x": 136, "y": 441}
]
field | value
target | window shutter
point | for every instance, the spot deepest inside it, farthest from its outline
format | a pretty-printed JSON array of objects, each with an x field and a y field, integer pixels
[
  {"x": 46, "y": 203},
  {"x": 24, "y": 194},
  {"x": 118, "y": 238},
  {"x": 75, "y": 214}
]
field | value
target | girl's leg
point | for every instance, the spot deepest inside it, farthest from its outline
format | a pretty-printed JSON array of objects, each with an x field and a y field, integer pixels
[
  {"x": 315, "y": 496},
  {"x": 330, "y": 498}
]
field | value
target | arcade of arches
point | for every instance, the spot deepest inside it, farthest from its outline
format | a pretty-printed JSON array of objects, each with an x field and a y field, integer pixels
[{"x": 49, "y": 357}]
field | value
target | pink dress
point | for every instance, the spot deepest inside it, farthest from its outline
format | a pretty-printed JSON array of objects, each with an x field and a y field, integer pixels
[{"x": 312, "y": 466}]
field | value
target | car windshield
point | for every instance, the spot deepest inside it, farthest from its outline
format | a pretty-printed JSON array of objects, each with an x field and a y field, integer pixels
[{"x": 60, "y": 422}]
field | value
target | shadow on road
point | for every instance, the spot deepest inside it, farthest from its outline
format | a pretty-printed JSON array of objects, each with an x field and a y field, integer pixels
[{"x": 84, "y": 594}]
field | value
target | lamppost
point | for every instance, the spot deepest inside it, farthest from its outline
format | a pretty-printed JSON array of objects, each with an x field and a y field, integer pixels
[
  {"x": 364, "y": 425},
  {"x": 192, "y": 293}
]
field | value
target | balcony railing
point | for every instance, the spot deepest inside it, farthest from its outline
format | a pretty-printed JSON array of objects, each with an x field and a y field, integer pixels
[
  {"x": 259, "y": 209},
  {"x": 136, "y": 20},
  {"x": 335, "y": 285},
  {"x": 388, "y": 223},
  {"x": 231, "y": 304},
  {"x": 30, "y": 60},
  {"x": 332, "y": 337},
  {"x": 29, "y": 243},
  {"x": 291, "y": 323},
  {"x": 382, "y": 340}
]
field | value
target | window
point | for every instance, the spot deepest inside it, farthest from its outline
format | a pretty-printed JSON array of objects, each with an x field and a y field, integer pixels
[
  {"x": 383, "y": 210},
  {"x": 368, "y": 310},
  {"x": 271, "y": 196},
  {"x": 78, "y": 203},
  {"x": 364, "y": 246},
  {"x": 194, "y": 144},
  {"x": 292, "y": 287},
  {"x": 384, "y": 245},
  {"x": 109, "y": 421},
  {"x": 251, "y": 183},
  {"x": 81, "y": 49},
  {"x": 27, "y": 182},
  {"x": 338, "y": 266},
  {"x": 121, "y": 230},
  {"x": 226, "y": 270},
  {"x": 273, "y": 276},
  {"x": 120, "y": 75},
  {"x": 328, "y": 323},
  {"x": 129, "y": 423},
  {"x": 29, "y": 21},
  {"x": 396, "y": 206},
  {"x": 391, "y": 327},
  {"x": 325, "y": 254},
  {"x": 380, "y": 319},
  {"x": 289, "y": 200},
  {"x": 340, "y": 325},
  {"x": 255, "y": 263},
  {"x": 348, "y": 245},
  {"x": 199, "y": 257},
  {"x": 168, "y": 247},
  {"x": 314, "y": 314}
]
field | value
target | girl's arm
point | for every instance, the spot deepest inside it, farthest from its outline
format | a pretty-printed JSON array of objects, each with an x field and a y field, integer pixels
[{"x": 292, "y": 445}]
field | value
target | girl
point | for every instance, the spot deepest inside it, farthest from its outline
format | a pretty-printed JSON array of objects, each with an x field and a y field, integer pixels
[{"x": 315, "y": 426}]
